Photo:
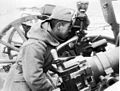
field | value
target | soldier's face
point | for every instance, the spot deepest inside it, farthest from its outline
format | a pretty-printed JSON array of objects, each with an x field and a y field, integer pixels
[
  {"x": 64, "y": 31},
  {"x": 82, "y": 5}
]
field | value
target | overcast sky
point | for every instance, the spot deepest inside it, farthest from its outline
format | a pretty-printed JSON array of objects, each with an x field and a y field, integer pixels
[{"x": 11, "y": 5}]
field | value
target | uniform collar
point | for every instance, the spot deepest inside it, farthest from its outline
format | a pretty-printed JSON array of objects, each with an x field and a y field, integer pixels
[
  {"x": 53, "y": 40},
  {"x": 40, "y": 32}
]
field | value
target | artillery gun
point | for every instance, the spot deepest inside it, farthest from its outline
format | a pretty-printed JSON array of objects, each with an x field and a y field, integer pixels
[{"x": 79, "y": 75}]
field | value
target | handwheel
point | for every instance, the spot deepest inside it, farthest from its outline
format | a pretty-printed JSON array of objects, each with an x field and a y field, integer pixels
[{"x": 17, "y": 28}]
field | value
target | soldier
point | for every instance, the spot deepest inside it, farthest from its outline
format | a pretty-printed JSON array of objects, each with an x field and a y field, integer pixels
[
  {"x": 34, "y": 58},
  {"x": 81, "y": 15}
]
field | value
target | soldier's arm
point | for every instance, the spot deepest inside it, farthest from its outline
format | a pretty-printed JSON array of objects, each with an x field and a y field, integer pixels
[{"x": 33, "y": 61}]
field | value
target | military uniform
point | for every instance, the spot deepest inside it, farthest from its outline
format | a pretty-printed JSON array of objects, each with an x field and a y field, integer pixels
[
  {"x": 33, "y": 62},
  {"x": 34, "y": 58}
]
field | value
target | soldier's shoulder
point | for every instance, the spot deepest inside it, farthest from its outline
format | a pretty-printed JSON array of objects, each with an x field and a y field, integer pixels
[{"x": 35, "y": 43}]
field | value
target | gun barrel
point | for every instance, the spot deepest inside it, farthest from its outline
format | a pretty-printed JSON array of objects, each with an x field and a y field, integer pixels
[
  {"x": 105, "y": 62},
  {"x": 67, "y": 42}
]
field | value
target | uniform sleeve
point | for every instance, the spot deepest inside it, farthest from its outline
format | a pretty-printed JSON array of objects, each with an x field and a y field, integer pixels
[{"x": 33, "y": 60}]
